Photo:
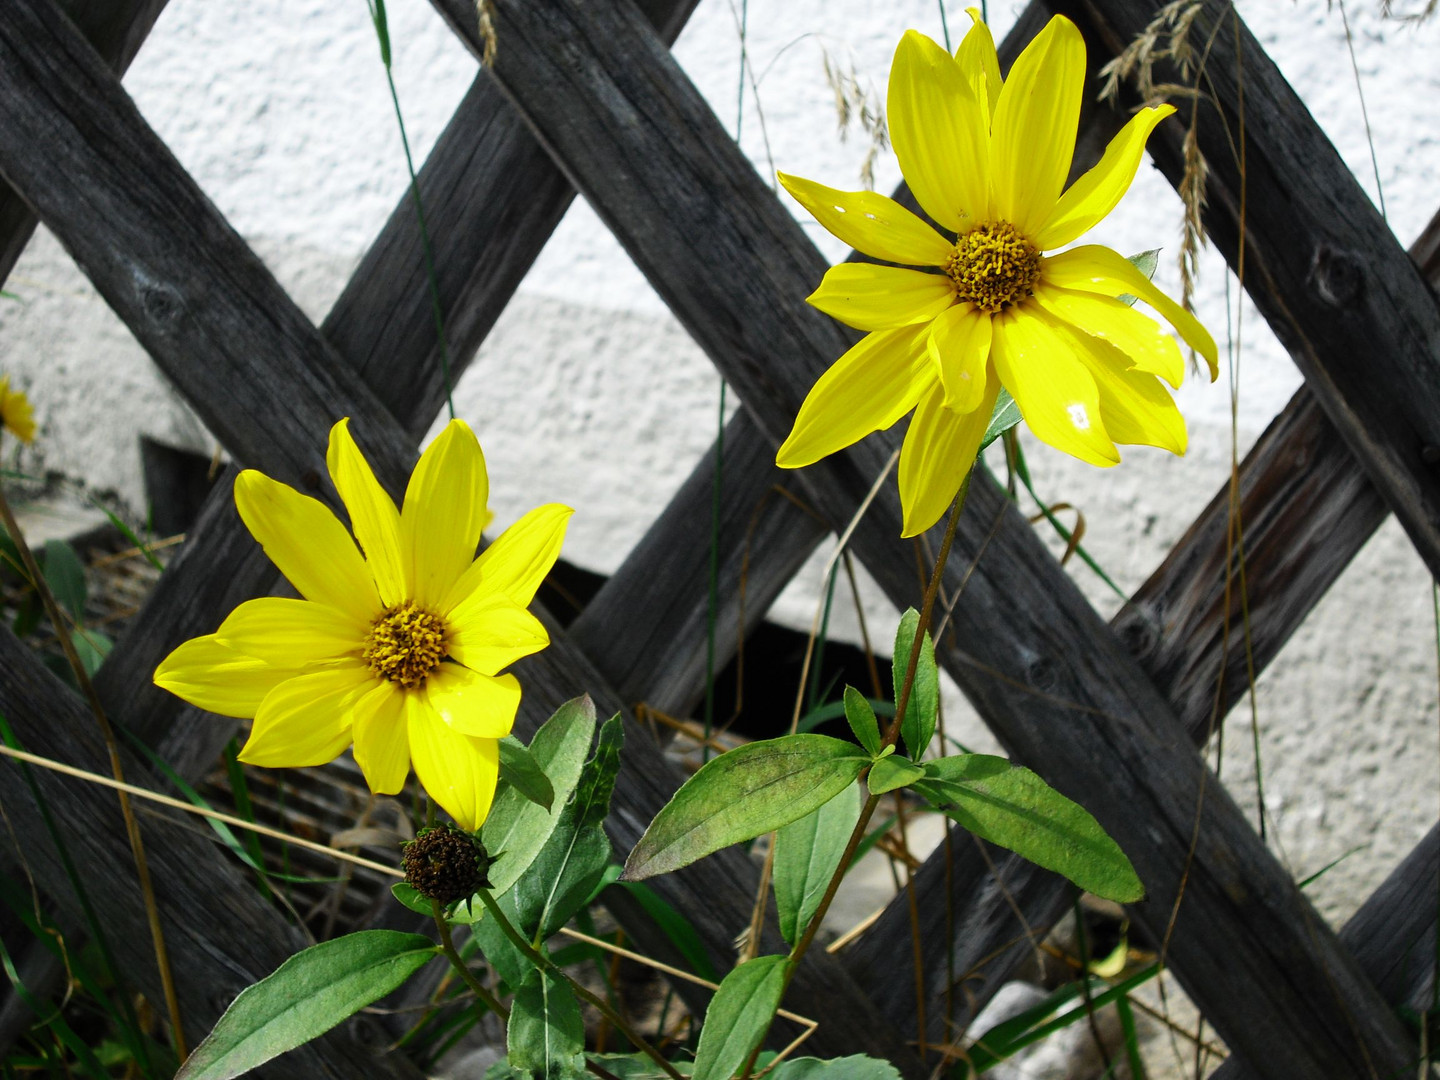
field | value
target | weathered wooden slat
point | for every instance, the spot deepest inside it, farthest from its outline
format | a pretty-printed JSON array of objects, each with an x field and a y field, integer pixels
[
  {"x": 220, "y": 937},
  {"x": 219, "y": 288},
  {"x": 1047, "y": 674},
  {"x": 116, "y": 28}
]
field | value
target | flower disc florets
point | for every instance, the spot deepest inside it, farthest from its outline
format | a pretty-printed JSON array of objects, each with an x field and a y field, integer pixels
[
  {"x": 445, "y": 864},
  {"x": 405, "y": 644},
  {"x": 993, "y": 266}
]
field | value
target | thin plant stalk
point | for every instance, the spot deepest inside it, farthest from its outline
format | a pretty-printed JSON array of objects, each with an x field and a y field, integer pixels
[
  {"x": 540, "y": 960},
  {"x": 447, "y": 946},
  {"x": 132, "y": 827},
  {"x": 902, "y": 699}
]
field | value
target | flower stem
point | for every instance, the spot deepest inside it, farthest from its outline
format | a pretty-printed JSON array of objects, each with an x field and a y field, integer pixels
[
  {"x": 132, "y": 827},
  {"x": 902, "y": 699},
  {"x": 540, "y": 960},
  {"x": 447, "y": 946}
]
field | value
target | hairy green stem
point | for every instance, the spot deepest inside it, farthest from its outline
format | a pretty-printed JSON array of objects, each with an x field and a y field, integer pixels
[
  {"x": 540, "y": 960},
  {"x": 447, "y": 946}
]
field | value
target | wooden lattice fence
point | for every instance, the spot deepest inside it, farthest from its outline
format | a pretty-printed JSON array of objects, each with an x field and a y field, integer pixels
[{"x": 585, "y": 95}]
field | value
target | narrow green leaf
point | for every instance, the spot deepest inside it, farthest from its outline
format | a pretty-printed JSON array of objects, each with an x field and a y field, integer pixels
[
  {"x": 918, "y": 726},
  {"x": 861, "y": 718},
  {"x": 305, "y": 997},
  {"x": 65, "y": 574},
  {"x": 806, "y": 854},
  {"x": 738, "y": 1016},
  {"x": 855, "y": 1067},
  {"x": 406, "y": 894},
  {"x": 892, "y": 772},
  {"x": 1011, "y": 806},
  {"x": 524, "y": 773},
  {"x": 1004, "y": 417},
  {"x": 680, "y": 930},
  {"x": 570, "y": 865},
  {"x": 742, "y": 794},
  {"x": 517, "y": 828},
  {"x": 546, "y": 1036}
]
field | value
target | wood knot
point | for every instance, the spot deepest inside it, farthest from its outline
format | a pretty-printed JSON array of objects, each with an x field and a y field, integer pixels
[
  {"x": 1041, "y": 674},
  {"x": 1139, "y": 631},
  {"x": 310, "y": 480},
  {"x": 1338, "y": 277},
  {"x": 162, "y": 304}
]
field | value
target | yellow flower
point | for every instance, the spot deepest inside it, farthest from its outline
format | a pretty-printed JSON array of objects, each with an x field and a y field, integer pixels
[
  {"x": 397, "y": 649},
  {"x": 988, "y": 161},
  {"x": 15, "y": 411}
]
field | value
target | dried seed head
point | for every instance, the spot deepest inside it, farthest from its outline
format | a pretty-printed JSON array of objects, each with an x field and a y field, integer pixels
[{"x": 445, "y": 864}]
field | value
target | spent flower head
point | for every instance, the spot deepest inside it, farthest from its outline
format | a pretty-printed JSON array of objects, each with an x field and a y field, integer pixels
[
  {"x": 398, "y": 643},
  {"x": 987, "y": 160},
  {"x": 16, "y": 416}
]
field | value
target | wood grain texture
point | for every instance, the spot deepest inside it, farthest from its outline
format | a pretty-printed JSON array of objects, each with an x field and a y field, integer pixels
[
  {"x": 1320, "y": 262},
  {"x": 116, "y": 29},
  {"x": 221, "y": 936},
  {"x": 1051, "y": 679}
]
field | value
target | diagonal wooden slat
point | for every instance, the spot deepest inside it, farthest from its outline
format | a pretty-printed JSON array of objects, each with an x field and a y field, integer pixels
[
  {"x": 116, "y": 29},
  {"x": 204, "y": 258},
  {"x": 1047, "y": 674}
]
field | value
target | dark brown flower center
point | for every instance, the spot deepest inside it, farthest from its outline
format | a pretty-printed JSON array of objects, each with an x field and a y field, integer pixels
[
  {"x": 993, "y": 266},
  {"x": 406, "y": 644}
]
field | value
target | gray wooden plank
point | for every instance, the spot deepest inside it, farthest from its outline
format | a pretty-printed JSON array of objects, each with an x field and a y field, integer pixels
[
  {"x": 205, "y": 307},
  {"x": 1050, "y": 678},
  {"x": 116, "y": 28},
  {"x": 220, "y": 936}
]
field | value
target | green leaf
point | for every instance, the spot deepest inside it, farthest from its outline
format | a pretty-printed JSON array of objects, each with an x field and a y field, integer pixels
[
  {"x": 65, "y": 574},
  {"x": 1145, "y": 262},
  {"x": 918, "y": 727},
  {"x": 636, "y": 1066},
  {"x": 742, "y": 794},
  {"x": 892, "y": 772},
  {"x": 572, "y": 862},
  {"x": 546, "y": 1035},
  {"x": 675, "y": 926},
  {"x": 305, "y": 997},
  {"x": 1011, "y": 806},
  {"x": 855, "y": 1067},
  {"x": 92, "y": 647},
  {"x": 406, "y": 894},
  {"x": 1004, "y": 417},
  {"x": 862, "y": 720},
  {"x": 806, "y": 855},
  {"x": 523, "y": 773},
  {"x": 517, "y": 828},
  {"x": 738, "y": 1016},
  {"x": 499, "y": 951}
]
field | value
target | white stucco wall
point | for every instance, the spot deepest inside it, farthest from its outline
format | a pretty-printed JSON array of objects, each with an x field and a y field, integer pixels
[{"x": 280, "y": 111}]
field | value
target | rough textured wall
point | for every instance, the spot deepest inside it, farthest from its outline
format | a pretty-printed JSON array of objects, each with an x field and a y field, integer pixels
[{"x": 590, "y": 393}]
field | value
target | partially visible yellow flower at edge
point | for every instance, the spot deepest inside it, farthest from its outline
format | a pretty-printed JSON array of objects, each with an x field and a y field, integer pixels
[
  {"x": 987, "y": 160},
  {"x": 397, "y": 644},
  {"x": 15, "y": 413}
]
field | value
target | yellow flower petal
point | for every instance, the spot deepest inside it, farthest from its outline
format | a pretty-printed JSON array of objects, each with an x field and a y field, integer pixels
[
  {"x": 517, "y": 562},
  {"x": 15, "y": 412},
  {"x": 459, "y": 771},
  {"x": 307, "y": 544},
  {"x": 490, "y": 631},
  {"x": 481, "y": 706},
  {"x": 373, "y": 516},
  {"x": 1135, "y": 406},
  {"x": 1055, "y": 391},
  {"x": 1135, "y": 334},
  {"x": 306, "y": 720},
  {"x": 1033, "y": 136},
  {"x": 1097, "y": 269},
  {"x": 939, "y": 451},
  {"x": 960, "y": 348},
  {"x": 1096, "y": 193},
  {"x": 218, "y": 679},
  {"x": 940, "y": 132},
  {"x": 443, "y": 514},
  {"x": 870, "y": 297},
  {"x": 290, "y": 633},
  {"x": 979, "y": 62},
  {"x": 868, "y": 389},
  {"x": 382, "y": 739},
  {"x": 874, "y": 224}
]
